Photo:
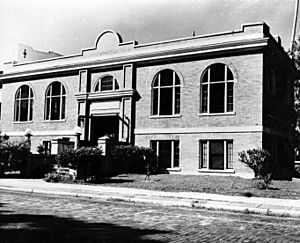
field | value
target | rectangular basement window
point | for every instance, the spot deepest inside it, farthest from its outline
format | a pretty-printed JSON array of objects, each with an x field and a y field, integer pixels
[
  {"x": 216, "y": 155},
  {"x": 167, "y": 152}
]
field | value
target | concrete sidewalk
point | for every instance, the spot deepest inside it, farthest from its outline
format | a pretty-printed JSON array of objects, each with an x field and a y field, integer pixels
[{"x": 270, "y": 206}]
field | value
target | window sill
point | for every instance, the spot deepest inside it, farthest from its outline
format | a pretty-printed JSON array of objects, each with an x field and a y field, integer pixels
[
  {"x": 226, "y": 171},
  {"x": 22, "y": 122},
  {"x": 54, "y": 121},
  {"x": 177, "y": 169},
  {"x": 165, "y": 116},
  {"x": 218, "y": 114}
]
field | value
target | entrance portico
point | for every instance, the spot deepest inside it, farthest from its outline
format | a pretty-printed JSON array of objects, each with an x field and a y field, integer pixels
[{"x": 107, "y": 114}]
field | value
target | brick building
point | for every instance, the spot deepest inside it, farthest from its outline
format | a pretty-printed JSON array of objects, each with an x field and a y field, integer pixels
[{"x": 196, "y": 101}]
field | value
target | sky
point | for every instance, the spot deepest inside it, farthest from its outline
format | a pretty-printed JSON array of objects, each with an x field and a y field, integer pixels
[{"x": 68, "y": 26}]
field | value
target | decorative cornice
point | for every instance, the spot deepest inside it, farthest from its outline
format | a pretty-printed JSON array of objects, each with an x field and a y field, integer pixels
[{"x": 148, "y": 55}]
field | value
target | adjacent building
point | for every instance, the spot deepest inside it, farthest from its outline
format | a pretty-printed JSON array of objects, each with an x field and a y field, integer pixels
[{"x": 196, "y": 101}]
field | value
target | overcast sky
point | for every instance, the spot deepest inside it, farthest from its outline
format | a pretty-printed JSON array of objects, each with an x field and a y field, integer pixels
[{"x": 67, "y": 26}]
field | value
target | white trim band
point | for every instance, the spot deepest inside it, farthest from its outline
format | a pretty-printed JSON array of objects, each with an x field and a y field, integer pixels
[
  {"x": 141, "y": 131},
  {"x": 41, "y": 133}
]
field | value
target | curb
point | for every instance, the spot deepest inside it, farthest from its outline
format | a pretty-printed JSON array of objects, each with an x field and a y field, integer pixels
[{"x": 167, "y": 202}]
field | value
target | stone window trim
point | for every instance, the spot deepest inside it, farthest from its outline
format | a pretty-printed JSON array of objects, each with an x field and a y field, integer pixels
[
  {"x": 166, "y": 94},
  {"x": 101, "y": 87},
  {"x": 223, "y": 150},
  {"x": 174, "y": 152},
  {"x": 165, "y": 116},
  {"x": 51, "y": 100},
  {"x": 23, "y": 104},
  {"x": 55, "y": 121},
  {"x": 233, "y": 113}
]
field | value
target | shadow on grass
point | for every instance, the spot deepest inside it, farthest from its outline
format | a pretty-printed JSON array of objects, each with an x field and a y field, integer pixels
[
  {"x": 113, "y": 180},
  {"x": 46, "y": 228}
]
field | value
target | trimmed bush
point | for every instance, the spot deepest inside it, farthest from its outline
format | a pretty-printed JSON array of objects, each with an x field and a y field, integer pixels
[
  {"x": 86, "y": 160},
  {"x": 13, "y": 154},
  {"x": 134, "y": 159}
]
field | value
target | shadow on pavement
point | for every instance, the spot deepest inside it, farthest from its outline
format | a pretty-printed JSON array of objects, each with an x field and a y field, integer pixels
[{"x": 46, "y": 228}]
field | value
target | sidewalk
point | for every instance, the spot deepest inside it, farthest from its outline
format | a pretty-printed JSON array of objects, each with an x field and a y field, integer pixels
[{"x": 270, "y": 206}]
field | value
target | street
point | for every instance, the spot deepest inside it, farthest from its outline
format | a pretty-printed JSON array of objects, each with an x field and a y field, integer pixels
[{"x": 26, "y": 217}]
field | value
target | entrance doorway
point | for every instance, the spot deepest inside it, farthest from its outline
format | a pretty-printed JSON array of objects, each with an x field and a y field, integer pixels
[{"x": 104, "y": 125}]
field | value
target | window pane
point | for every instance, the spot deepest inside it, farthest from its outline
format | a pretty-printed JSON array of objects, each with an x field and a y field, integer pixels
[
  {"x": 165, "y": 154},
  {"x": 116, "y": 85},
  {"x": 217, "y": 97},
  {"x": 97, "y": 87},
  {"x": 229, "y": 96},
  {"x": 30, "y": 109},
  {"x": 47, "y": 112},
  {"x": 155, "y": 102},
  {"x": 55, "y": 108},
  {"x": 17, "y": 110},
  {"x": 63, "y": 100},
  {"x": 203, "y": 154},
  {"x": 107, "y": 83},
  {"x": 25, "y": 91},
  {"x": 63, "y": 90},
  {"x": 216, "y": 160},
  {"x": 217, "y": 72},
  {"x": 229, "y": 155},
  {"x": 229, "y": 74},
  {"x": 56, "y": 88},
  {"x": 204, "y": 101},
  {"x": 155, "y": 83},
  {"x": 18, "y": 95},
  {"x": 24, "y": 110},
  {"x": 176, "y": 153},
  {"x": 205, "y": 77},
  {"x": 48, "y": 92},
  {"x": 166, "y": 99},
  {"x": 177, "y": 80},
  {"x": 166, "y": 77},
  {"x": 177, "y": 100},
  {"x": 153, "y": 146}
]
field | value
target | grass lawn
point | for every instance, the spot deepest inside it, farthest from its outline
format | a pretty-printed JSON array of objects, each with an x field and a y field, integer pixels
[{"x": 225, "y": 185}]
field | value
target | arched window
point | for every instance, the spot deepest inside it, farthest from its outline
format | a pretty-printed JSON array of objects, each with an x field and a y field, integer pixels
[
  {"x": 55, "y": 101},
  {"x": 23, "y": 104},
  {"x": 106, "y": 83},
  {"x": 166, "y": 93},
  {"x": 217, "y": 89}
]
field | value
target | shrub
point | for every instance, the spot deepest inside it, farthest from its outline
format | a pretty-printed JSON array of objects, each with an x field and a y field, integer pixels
[
  {"x": 85, "y": 159},
  {"x": 40, "y": 149},
  {"x": 13, "y": 153},
  {"x": 297, "y": 171},
  {"x": 256, "y": 159},
  {"x": 135, "y": 159},
  {"x": 56, "y": 177}
]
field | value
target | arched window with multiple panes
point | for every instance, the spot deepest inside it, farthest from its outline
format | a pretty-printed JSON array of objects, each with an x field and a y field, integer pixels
[
  {"x": 55, "y": 101},
  {"x": 23, "y": 104},
  {"x": 106, "y": 83},
  {"x": 217, "y": 89},
  {"x": 166, "y": 93}
]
